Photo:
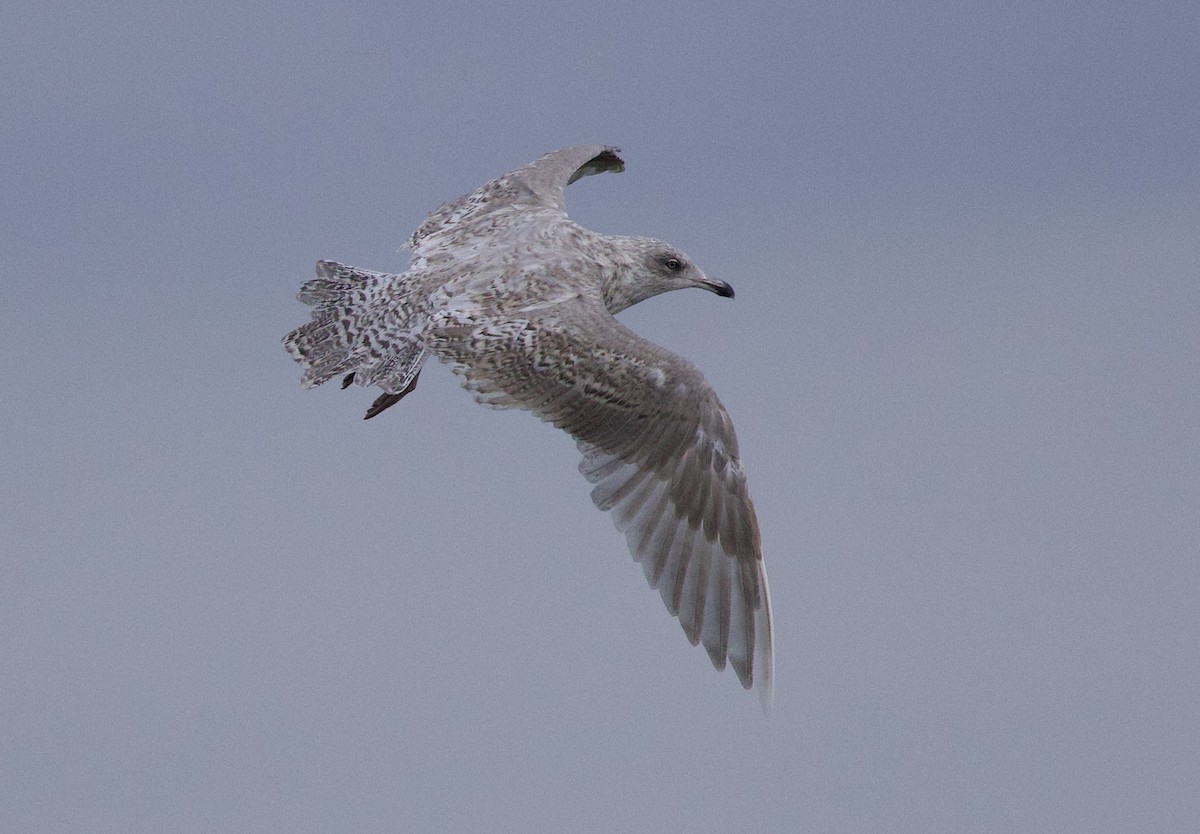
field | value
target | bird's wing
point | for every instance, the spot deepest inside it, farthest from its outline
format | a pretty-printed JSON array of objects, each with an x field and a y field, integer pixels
[
  {"x": 538, "y": 185},
  {"x": 660, "y": 449}
]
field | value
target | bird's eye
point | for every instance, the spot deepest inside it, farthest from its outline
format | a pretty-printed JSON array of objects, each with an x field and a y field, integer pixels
[{"x": 673, "y": 264}]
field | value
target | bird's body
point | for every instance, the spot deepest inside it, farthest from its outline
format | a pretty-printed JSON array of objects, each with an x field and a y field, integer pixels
[{"x": 519, "y": 299}]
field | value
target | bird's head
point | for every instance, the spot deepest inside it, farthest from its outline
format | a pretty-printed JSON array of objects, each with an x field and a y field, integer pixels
[{"x": 652, "y": 267}]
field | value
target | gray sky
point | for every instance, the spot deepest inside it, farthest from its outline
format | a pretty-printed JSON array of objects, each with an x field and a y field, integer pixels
[{"x": 963, "y": 361}]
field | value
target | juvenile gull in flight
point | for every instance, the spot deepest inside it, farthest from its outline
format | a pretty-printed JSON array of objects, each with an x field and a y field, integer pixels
[{"x": 519, "y": 299}]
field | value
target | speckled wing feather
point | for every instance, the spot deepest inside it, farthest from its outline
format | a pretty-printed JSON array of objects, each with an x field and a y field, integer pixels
[
  {"x": 657, "y": 444},
  {"x": 538, "y": 185}
]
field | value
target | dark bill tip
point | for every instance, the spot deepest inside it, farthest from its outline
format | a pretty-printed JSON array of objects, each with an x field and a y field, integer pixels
[{"x": 719, "y": 287}]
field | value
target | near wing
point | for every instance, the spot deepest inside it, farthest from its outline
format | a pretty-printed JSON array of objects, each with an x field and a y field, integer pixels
[{"x": 660, "y": 449}]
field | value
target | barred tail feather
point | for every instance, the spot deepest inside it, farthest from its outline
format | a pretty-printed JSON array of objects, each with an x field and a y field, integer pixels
[{"x": 358, "y": 330}]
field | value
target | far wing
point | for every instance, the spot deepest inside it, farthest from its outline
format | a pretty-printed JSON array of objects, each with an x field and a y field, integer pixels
[
  {"x": 539, "y": 184},
  {"x": 660, "y": 449}
]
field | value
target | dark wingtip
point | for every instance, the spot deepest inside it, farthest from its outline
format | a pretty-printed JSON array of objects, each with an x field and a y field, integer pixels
[{"x": 605, "y": 161}]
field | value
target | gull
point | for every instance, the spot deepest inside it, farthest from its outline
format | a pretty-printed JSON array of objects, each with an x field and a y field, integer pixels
[{"x": 520, "y": 300}]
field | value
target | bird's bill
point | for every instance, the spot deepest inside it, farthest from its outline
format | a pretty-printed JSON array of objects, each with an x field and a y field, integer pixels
[{"x": 719, "y": 287}]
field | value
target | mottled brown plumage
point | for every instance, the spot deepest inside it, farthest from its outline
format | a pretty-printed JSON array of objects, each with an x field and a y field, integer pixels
[{"x": 519, "y": 299}]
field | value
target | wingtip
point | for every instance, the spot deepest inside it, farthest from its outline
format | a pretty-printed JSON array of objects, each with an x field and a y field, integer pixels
[
  {"x": 766, "y": 691},
  {"x": 606, "y": 160},
  {"x": 766, "y": 697}
]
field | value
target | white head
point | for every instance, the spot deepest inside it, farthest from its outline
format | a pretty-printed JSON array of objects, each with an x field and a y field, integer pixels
[{"x": 649, "y": 267}]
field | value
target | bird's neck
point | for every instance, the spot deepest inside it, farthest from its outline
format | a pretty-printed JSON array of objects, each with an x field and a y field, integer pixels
[{"x": 619, "y": 265}]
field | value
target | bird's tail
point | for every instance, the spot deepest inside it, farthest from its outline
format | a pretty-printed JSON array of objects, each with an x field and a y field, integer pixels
[{"x": 359, "y": 329}]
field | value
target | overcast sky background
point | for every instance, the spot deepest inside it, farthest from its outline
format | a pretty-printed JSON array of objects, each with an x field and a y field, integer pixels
[{"x": 963, "y": 362}]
